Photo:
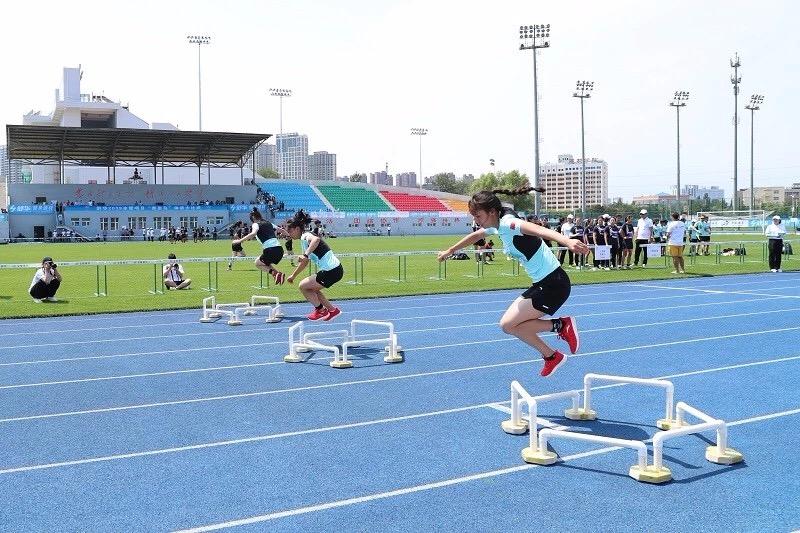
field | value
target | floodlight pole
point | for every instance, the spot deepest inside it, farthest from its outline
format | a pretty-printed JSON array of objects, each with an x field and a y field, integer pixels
[
  {"x": 755, "y": 102},
  {"x": 280, "y": 93},
  {"x": 582, "y": 90},
  {"x": 736, "y": 80},
  {"x": 538, "y": 35},
  {"x": 678, "y": 102},
  {"x": 419, "y": 132},
  {"x": 199, "y": 40}
]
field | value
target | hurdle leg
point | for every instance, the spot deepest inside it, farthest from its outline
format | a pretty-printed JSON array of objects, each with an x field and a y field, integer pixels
[{"x": 340, "y": 358}]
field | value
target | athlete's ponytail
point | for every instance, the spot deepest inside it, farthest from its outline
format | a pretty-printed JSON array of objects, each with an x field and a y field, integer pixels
[
  {"x": 301, "y": 219},
  {"x": 488, "y": 200}
]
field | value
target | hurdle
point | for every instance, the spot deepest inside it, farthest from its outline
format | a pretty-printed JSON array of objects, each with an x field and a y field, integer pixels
[
  {"x": 213, "y": 311},
  {"x": 587, "y": 413},
  {"x": 517, "y": 425},
  {"x": 301, "y": 341},
  {"x": 537, "y": 451}
]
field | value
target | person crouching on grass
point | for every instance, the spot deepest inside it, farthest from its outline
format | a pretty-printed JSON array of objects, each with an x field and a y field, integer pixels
[
  {"x": 272, "y": 252},
  {"x": 329, "y": 267},
  {"x": 45, "y": 282},
  {"x": 523, "y": 241}
]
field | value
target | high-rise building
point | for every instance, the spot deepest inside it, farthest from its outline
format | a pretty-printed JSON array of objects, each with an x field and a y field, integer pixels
[
  {"x": 696, "y": 192},
  {"x": 322, "y": 166},
  {"x": 380, "y": 178},
  {"x": 406, "y": 179},
  {"x": 11, "y": 170},
  {"x": 292, "y": 149},
  {"x": 562, "y": 182}
]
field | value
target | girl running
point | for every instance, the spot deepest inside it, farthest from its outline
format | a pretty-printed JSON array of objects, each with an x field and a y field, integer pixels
[
  {"x": 330, "y": 268},
  {"x": 523, "y": 241},
  {"x": 236, "y": 248},
  {"x": 272, "y": 252}
]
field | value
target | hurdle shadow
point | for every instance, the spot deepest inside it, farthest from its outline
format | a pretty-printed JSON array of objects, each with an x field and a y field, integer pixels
[
  {"x": 359, "y": 354},
  {"x": 617, "y": 429}
]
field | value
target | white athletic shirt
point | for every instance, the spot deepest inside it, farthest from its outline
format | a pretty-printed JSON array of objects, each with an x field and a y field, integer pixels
[
  {"x": 170, "y": 273},
  {"x": 644, "y": 228},
  {"x": 36, "y": 277},
  {"x": 775, "y": 231},
  {"x": 676, "y": 229}
]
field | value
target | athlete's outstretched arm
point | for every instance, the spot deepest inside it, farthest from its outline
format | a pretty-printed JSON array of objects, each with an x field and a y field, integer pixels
[{"x": 470, "y": 239}]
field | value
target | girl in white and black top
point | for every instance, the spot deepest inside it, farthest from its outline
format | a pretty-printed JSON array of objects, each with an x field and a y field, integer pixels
[
  {"x": 775, "y": 233},
  {"x": 272, "y": 251},
  {"x": 579, "y": 234}
]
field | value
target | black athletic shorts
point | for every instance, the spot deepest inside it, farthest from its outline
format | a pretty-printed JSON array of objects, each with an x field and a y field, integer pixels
[
  {"x": 237, "y": 248},
  {"x": 327, "y": 278},
  {"x": 627, "y": 244},
  {"x": 550, "y": 293},
  {"x": 705, "y": 238},
  {"x": 693, "y": 240},
  {"x": 271, "y": 255}
]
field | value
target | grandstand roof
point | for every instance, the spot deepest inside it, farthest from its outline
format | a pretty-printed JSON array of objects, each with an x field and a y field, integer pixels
[{"x": 122, "y": 147}]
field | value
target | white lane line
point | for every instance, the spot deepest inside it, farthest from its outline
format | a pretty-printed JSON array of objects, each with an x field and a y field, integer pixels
[
  {"x": 216, "y": 332},
  {"x": 345, "y": 303},
  {"x": 234, "y": 346},
  {"x": 427, "y": 486},
  {"x": 272, "y": 363},
  {"x": 500, "y": 406},
  {"x": 745, "y": 292},
  {"x": 377, "y": 380}
]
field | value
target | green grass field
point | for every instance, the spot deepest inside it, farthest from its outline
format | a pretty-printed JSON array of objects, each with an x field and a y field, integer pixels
[{"x": 128, "y": 285}]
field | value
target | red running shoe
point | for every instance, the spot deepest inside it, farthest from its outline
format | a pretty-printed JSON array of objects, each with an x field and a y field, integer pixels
[
  {"x": 552, "y": 364},
  {"x": 569, "y": 333},
  {"x": 316, "y": 314},
  {"x": 332, "y": 313},
  {"x": 279, "y": 277}
]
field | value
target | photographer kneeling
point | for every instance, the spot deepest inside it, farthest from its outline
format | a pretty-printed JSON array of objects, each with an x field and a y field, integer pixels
[
  {"x": 45, "y": 282},
  {"x": 173, "y": 274}
]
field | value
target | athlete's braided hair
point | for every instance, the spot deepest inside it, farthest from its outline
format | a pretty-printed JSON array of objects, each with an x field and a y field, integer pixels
[
  {"x": 488, "y": 200},
  {"x": 255, "y": 215},
  {"x": 301, "y": 219}
]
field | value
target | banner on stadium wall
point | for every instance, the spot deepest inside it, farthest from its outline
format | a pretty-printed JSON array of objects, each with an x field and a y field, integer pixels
[
  {"x": 129, "y": 208},
  {"x": 3, "y": 217},
  {"x": 239, "y": 208},
  {"x": 453, "y": 214},
  {"x": 379, "y": 214},
  {"x": 327, "y": 214},
  {"x": 33, "y": 209}
]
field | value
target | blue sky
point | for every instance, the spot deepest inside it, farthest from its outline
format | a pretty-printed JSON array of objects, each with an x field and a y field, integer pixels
[{"x": 364, "y": 73}]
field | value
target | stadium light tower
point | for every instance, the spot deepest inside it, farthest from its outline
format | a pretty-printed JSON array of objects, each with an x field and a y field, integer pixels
[
  {"x": 280, "y": 93},
  {"x": 582, "y": 91},
  {"x": 534, "y": 37},
  {"x": 736, "y": 80},
  {"x": 679, "y": 101},
  {"x": 420, "y": 132},
  {"x": 199, "y": 40},
  {"x": 755, "y": 104}
]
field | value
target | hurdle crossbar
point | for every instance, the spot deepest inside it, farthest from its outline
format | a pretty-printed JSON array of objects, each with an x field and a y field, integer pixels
[
  {"x": 586, "y": 412},
  {"x": 639, "y": 446}
]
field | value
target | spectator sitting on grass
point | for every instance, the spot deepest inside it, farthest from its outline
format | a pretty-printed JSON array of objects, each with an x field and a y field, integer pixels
[{"x": 174, "y": 276}]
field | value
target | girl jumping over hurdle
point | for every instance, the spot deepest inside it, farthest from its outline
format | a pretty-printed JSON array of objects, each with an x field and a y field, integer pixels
[
  {"x": 523, "y": 241},
  {"x": 272, "y": 252},
  {"x": 236, "y": 248},
  {"x": 329, "y": 267}
]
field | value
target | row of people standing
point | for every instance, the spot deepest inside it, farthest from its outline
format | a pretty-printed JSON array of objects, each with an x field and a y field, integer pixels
[{"x": 623, "y": 236}]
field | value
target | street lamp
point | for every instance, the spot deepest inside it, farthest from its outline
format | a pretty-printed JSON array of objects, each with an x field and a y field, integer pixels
[
  {"x": 582, "y": 90},
  {"x": 735, "y": 81},
  {"x": 280, "y": 93},
  {"x": 420, "y": 132},
  {"x": 199, "y": 40},
  {"x": 534, "y": 37},
  {"x": 679, "y": 101},
  {"x": 755, "y": 104}
]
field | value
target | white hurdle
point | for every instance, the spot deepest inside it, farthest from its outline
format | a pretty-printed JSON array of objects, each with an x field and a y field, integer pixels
[
  {"x": 537, "y": 451},
  {"x": 213, "y": 311},
  {"x": 300, "y": 341},
  {"x": 587, "y": 413}
]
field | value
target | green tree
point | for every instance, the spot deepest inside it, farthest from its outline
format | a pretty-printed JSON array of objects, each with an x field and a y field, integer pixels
[
  {"x": 447, "y": 182},
  {"x": 356, "y": 177},
  {"x": 268, "y": 173},
  {"x": 505, "y": 180}
]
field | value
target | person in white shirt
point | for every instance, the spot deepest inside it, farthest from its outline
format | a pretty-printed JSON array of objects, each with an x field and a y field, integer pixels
[
  {"x": 644, "y": 232},
  {"x": 676, "y": 230},
  {"x": 566, "y": 230},
  {"x": 46, "y": 282},
  {"x": 174, "y": 275},
  {"x": 775, "y": 233}
]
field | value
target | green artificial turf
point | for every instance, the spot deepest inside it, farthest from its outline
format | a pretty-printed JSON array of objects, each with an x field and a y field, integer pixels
[{"x": 128, "y": 286}]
